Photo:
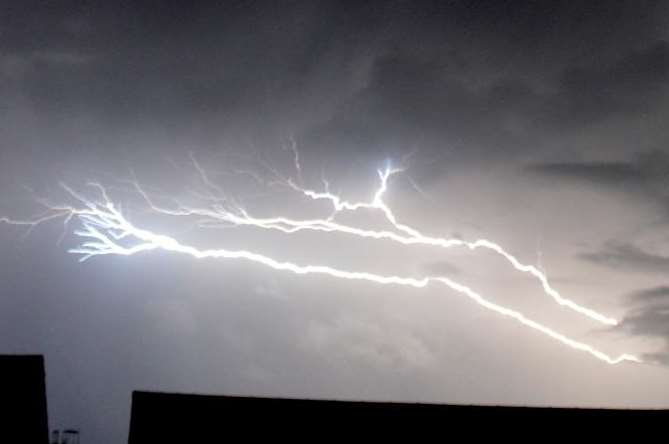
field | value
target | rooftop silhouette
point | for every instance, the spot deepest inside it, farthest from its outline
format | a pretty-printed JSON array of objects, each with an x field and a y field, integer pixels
[
  {"x": 172, "y": 418},
  {"x": 23, "y": 417}
]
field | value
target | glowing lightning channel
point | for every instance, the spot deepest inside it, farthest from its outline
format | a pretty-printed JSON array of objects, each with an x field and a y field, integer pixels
[
  {"x": 108, "y": 231},
  {"x": 106, "y": 227},
  {"x": 411, "y": 236},
  {"x": 416, "y": 237}
]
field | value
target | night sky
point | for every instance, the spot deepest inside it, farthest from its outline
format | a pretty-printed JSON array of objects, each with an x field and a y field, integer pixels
[{"x": 539, "y": 125}]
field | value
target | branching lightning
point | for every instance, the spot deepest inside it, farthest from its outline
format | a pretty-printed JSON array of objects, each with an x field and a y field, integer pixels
[
  {"x": 416, "y": 237},
  {"x": 106, "y": 230},
  {"x": 410, "y": 236}
]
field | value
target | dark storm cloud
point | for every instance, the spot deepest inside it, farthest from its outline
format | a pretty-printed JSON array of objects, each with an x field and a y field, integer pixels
[
  {"x": 628, "y": 257},
  {"x": 606, "y": 173},
  {"x": 410, "y": 101},
  {"x": 649, "y": 317},
  {"x": 644, "y": 178},
  {"x": 170, "y": 63},
  {"x": 651, "y": 295},
  {"x": 646, "y": 175},
  {"x": 631, "y": 84},
  {"x": 379, "y": 77}
]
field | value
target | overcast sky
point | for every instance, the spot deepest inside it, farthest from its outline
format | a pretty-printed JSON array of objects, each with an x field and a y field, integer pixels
[{"x": 540, "y": 125}]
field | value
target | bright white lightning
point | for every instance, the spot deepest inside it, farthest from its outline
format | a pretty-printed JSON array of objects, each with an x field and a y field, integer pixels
[
  {"x": 410, "y": 235},
  {"x": 416, "y": 237},
  {"x": 108, "y": 231}
]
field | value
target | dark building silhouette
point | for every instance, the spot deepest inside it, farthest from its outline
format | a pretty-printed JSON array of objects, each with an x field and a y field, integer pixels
[
  {"x": 23, "y": 412},
  {"x": 177, "y": 418}
]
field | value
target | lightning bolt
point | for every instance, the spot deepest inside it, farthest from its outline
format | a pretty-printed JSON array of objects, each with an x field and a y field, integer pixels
[
  {"x": 106, "y": 231},
  {"x": 410, "y": 236}
]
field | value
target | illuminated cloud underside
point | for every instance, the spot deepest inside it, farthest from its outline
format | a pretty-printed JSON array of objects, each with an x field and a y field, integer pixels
[{"x": 107, "y": 231}]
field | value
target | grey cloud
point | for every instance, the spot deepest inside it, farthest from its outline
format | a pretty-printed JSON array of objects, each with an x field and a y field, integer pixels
[
  {"x": 649, "y": 295},
  {"x": 12, "y": 66},
  {"x": 409, "y": 100},
  {"x": 304, "y": 61},
  {"x": 607, "y": 173},
  {"x": 348, "y": 337},
  {"x": 649, "y": 317},
  {"x": 628, "y": 257},
  {"x": 646, "y": 175},
  {"x": 630, "y": 85}
]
